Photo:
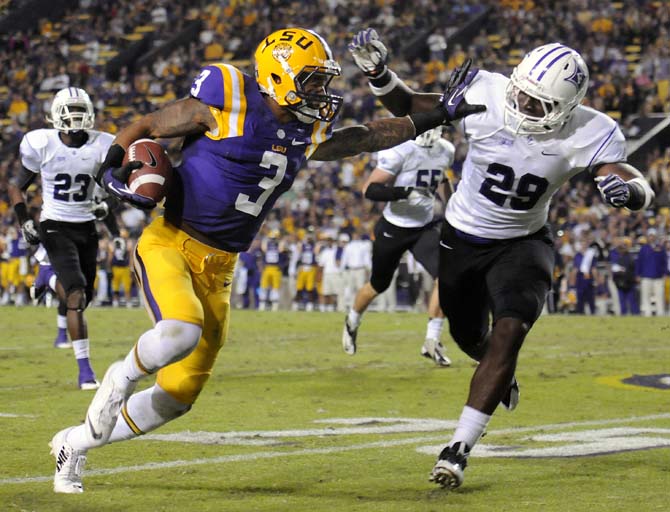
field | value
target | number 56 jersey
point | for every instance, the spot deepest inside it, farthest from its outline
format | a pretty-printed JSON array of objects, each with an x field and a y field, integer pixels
[
  {"x": 508, "y": 180},
  {"x": 231, "y": 176}
]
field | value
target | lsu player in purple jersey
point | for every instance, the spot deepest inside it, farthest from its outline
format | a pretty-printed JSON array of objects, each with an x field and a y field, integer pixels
[
  {"x": 272, "y": 248},
  {"x": 496, "y": 252},
  {"x": 244, "y": 140}
]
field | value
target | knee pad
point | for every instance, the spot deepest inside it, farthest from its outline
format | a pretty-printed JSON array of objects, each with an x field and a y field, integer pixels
[
  {"x": 167, "y": 342},
  {"x": 473, "y": 342},
  {"x": 380, "y": 283},
  {"x": 75, "y": 299}
]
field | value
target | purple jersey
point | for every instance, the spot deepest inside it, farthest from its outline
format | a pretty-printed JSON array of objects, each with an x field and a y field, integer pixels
[
  {"x": 231, "y": 177},
  {"x": 271, "y": 253}
]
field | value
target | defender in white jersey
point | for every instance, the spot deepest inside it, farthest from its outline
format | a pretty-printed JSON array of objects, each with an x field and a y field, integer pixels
[
  {"x": 67, "y": 158},
  {"x": 407, "y": 177},
  {"x": 496, "y": 254}
]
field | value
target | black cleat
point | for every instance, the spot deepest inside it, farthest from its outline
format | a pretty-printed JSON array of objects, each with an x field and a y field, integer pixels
[{"x": 448, "y": 471}]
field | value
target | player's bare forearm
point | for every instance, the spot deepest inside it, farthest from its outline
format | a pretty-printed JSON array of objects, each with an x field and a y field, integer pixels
[
  {"x": 622, "y": 169},
  {"x": 183, "y": 117},
  {"x": 367, "y": 138}
]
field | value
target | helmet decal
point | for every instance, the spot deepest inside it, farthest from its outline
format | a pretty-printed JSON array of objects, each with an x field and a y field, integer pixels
[{"x": 294, "y": 66}]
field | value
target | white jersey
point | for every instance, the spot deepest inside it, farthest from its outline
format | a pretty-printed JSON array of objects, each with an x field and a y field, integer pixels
[
  {"x": 68, "y": 185},
  {"x": 508, "y": 181},
  {"x": 415, "y": 166}
]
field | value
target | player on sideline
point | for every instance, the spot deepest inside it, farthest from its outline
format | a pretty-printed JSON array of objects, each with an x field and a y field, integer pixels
[
  {"x": 67, "y": 157},
  {"x": 407, "y": 178},
  {"x": 496, "y": 253},
  {"x": 245, "y": 140}
]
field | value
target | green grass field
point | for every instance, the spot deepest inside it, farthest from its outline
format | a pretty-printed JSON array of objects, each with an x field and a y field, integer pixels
[{"x": 289, "y": 422}]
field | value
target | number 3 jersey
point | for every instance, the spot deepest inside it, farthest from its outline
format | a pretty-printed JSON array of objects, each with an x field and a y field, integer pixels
[
  {"x": 68, "y": 186},
  {"x": 231, "y": 176},
  {"x": 415, "y": 166},
  {"x": 507, "y": 180}
]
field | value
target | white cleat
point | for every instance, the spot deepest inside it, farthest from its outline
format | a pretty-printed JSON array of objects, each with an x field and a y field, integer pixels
[
  {"x": 433, "y": 349},
  {"x": 511, "y": 398},
  {"x": 69, "y": 464},
  {"x": 90, "y": 385},
  {"x": 349, "y": 338},
  {"x": 106, "y": 406}
]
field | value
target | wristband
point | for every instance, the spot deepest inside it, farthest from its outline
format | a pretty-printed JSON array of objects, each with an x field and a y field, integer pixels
[
  {"x": 384, "y": 83},
  {"x": 21, "y": 212},
  {"x": 641, "y": 194},
  {"x": 424, "y": 121},
  {"x": 114, "y": 158},
  {"x": 382, "y": 192}
]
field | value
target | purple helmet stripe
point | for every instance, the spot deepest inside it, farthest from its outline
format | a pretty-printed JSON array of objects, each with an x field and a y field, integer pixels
[
  {"x": 545, "y": 56},
  {"x": 552, "y": 63}
]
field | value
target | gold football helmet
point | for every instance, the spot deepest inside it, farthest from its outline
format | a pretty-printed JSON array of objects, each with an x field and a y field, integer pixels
[{"x": 294, "y": 66}]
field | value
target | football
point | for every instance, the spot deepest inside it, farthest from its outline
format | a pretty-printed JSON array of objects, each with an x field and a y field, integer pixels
[{"x": 153, "y": 179}]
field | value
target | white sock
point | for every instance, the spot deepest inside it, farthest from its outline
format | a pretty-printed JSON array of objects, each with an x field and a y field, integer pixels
[
  {"x": 146, "y": 411},
  {"x": 354, "y": 318},
  {"x": 434, "y": 328},
  {"x": 471, "y": 426},
  {"x": 80, "y": 348},
  {"x": 61, "y": 321}
]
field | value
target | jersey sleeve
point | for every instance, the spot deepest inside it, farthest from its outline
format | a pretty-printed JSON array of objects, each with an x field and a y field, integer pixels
[
  {"x": 31, "y": 151},
  {"x": 390, "y": 160},
  {"x": 218, "y": 85},
  {"x": 598, "y": 140}
]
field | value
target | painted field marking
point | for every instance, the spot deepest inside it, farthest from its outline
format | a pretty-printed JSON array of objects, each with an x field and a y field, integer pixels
[{"x": 331, "y": 450}]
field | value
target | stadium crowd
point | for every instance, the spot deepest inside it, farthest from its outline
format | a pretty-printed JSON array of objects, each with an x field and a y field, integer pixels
[{"x": 610, "y": 261}]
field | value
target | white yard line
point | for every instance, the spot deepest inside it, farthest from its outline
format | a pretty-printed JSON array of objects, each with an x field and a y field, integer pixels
[{"x": 325, "y": 451}]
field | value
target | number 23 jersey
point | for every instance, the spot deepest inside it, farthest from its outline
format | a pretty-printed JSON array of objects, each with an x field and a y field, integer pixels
[
  {"x": 231, "y": 176},
  {"x": 68, "y": 187},
  {"x": 508, "y": 181}
]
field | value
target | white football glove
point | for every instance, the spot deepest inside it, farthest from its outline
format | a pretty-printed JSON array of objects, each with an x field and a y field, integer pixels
[
  {"x": 419, "y": 195},
  {"x": 369, "y": 53},
  {"x": 30, "y": 232},
  {"x": 613, "y": 189}
]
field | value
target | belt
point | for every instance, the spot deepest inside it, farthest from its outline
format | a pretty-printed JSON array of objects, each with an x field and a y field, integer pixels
[{"x": 473, "y": 239}]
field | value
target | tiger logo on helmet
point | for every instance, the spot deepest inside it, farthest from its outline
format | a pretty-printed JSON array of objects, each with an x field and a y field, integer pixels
[{"x": 295, "y": 66}]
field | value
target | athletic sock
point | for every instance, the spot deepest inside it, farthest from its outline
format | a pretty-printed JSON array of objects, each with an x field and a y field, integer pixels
[
  {"x": 81, "y": 354},
  {"x": 434, "y": 328},
  {"x": 61, "y": 322},
  {"x": 471, "y": 426},
  {"x": 354, "y": 319}
]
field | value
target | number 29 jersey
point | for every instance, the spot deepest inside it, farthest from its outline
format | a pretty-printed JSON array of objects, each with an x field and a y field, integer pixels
[
  {"x": 508, "y": 180},
  {"x": 231, "y": 176}
]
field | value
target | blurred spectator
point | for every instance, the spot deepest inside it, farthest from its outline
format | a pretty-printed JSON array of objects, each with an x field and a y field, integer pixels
[
  {"x": 624, "y": 276},
  {"x": 651, "y": 268}
]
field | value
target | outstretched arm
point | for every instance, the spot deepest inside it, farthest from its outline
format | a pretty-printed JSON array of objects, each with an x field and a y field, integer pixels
[
  {"x": 370, "y": 55},
  {"x": 620, "y": 184},
  {"x": 370, "y": 137}
]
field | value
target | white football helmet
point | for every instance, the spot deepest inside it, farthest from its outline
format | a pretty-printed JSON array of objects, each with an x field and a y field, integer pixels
[
  {"x": 429, "y": 138},
  {"x": 557, "y": 77},
  {"x": 72, "y": 110}
]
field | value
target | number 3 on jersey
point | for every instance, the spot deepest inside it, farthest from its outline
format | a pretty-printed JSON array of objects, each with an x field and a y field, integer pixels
[
  {"x": 497, "y": 186},
  {"x": 269, "y": 160}
]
